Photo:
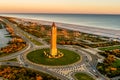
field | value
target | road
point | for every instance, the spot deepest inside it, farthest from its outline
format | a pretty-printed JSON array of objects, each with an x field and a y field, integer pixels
[{"x": 86, "y": 64}]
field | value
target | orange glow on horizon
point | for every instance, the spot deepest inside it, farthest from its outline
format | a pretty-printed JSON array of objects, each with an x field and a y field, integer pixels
[{"x": 61, "y": 6}]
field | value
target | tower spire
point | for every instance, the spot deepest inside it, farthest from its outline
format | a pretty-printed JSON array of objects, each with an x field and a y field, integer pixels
[{"x": 53, "y": 24}]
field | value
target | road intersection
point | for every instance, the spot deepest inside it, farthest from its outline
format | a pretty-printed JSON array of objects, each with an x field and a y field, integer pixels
[{"x": 87, "y": 63}]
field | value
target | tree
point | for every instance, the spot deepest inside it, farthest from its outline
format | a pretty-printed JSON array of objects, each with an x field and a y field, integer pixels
[{"x": 109, "y": 59}]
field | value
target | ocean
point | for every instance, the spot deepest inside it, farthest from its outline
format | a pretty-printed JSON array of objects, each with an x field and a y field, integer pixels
[{"x": 90, "y": 20}]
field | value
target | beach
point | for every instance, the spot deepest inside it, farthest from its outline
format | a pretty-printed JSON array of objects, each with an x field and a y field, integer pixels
[{"x": 85, "y": 29}]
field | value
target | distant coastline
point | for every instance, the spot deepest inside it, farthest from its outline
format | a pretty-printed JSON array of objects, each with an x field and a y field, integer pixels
[
  {"x": 85, "y": 29},
  {"x": 62, "y": 13},
  {"x": 106, "y": 21}
]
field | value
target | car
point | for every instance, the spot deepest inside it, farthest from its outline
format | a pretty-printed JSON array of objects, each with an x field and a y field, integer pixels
[
  {"x": 26, "y": 65},
  {"x": 94, "y": 70},
  {"x": 97, "y": 76}
]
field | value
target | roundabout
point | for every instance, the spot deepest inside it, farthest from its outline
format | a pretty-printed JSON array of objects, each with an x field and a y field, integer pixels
[
  {"x": 38, "y": 57},
  {"x": 74, "y": 59}
]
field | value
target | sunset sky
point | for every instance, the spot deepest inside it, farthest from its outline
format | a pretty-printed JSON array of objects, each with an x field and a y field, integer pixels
[{"x": 60, "y": 6}]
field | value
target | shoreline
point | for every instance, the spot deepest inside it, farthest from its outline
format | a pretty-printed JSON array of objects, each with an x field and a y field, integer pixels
[
  {"x": 91, "y": 20},
  {"x": 80, "y": 28}
]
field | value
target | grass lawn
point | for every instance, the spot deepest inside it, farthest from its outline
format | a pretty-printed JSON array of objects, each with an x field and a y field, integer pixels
[
  {"x": 39, "y": 57},
  {"x": 116, "y": 63},
  {"x": 33, "y": 40},
  {"x": 83, "y": 76},
  {"x": 110, "y": 48},
  {"x": 0, "y": 26},
  {"x": 4, "y": 54},
  {"x": 14, "y": 59}
]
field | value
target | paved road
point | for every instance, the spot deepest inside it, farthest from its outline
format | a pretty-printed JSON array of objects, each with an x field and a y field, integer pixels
[
  {"x": 87, "y": 64},
  {"x": 11, "y": 56},
  {"x": 92, "y": 63},
  {"x": 116, "y": 78},
  {"x": 30, "y": 47}
]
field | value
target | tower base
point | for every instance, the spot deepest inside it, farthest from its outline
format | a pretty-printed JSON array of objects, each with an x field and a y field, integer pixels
[{"x": 59, "y": 54}]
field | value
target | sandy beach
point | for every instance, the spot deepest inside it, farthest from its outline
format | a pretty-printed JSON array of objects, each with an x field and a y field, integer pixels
[{"x": 91, "y": 30}]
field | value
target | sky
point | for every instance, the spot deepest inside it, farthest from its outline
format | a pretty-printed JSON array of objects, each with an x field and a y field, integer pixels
[{"x": 60, "y": 6}]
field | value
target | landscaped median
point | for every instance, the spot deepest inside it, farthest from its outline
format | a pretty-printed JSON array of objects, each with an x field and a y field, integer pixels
[
  {"x": 83, "y": 76},
  {"x": 10, "y": 60},
  {"x": 33, "y": 40},
  {"x": 109, "y": 48},
  {"x": 38, "y": 57},
  {"x": 0, "y": 25}
]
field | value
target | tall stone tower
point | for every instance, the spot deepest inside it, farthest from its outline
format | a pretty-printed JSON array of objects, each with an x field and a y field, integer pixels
[
  {"x": 53, "y": 50},
  {"x": 54, "y": 53}
]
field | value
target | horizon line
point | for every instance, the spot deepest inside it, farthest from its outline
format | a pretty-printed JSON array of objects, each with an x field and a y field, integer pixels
[{"x": 60, "y": 13}]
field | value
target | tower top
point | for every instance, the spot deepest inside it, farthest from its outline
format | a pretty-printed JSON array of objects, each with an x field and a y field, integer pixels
[{"x": 53, "y": 24}]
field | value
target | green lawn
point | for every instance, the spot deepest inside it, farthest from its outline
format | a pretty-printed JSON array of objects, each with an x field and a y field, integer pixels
[
  {"x": 4, "y": 54},
  {"x": 0, "y": 26},
  {"x": 39, "y": 57},
  {"x": 116, "y": 63},
  {"x": 83, "y": 76},
  {"x": 110, "y": 48},
  {"x": 33, "y": 40},
  {"x": 14, "y": 59}
]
